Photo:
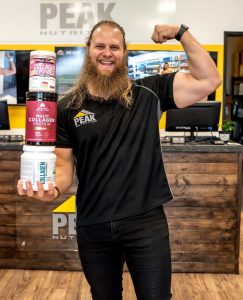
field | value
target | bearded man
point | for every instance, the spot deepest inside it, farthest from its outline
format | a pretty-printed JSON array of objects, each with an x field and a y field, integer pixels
[{"x": 109, "y": 124}]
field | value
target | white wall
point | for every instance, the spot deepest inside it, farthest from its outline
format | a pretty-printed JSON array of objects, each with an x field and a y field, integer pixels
[{"x": 208, "y": 19}]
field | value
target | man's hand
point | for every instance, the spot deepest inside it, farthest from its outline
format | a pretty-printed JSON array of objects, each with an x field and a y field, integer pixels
[
  {"x": 41, "y": 194},
  {"x": 163, "y": 33}
]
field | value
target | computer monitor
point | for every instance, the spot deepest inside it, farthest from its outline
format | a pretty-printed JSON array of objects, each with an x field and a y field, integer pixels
[
  {"x": 4, "y": 116},
  {"x": 69, "y": 63},
  {"x": 14, "y": 84},
  {"x": 144, "y": 63},
  {"x": 22, "y": 74},
  {"x": 201, "y": 116}
]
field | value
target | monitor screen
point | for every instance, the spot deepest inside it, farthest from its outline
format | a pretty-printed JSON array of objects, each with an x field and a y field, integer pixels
[
  {"x": 14, "y": 76},
  {"x": 8, "y": 89},
  {"x": 201, "y": 116},
  {"x": 4, "y": 117},
  {"x": 22, "y": 74},
  {"x": 143, "y": 63},
  {"x": 69, "y": 62}
]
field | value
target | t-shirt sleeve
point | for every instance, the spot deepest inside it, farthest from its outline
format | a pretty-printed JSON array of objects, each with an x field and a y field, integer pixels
[
  {"x": 165, "y": 91},
  {"x": 162, "y": 86},
  {"x": 62, "y": 135}
]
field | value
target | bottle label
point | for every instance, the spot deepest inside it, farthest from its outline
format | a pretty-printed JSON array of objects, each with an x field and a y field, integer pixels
[
  {"x": 34, "y": 170},
  {"x": 42, "y": 74},
  {"x": 40, "y": 121}
]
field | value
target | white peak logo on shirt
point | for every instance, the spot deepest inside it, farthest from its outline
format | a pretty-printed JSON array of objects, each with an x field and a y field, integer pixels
[{"x": 84, "y": 117}]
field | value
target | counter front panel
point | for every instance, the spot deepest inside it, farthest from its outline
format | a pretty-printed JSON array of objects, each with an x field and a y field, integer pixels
[{"x": 203, "y": 217}]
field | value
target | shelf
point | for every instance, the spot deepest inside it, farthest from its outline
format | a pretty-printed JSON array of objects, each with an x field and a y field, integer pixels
[
  {"x": 240, "y": 78},
  {"x": 237, "y": 87}
]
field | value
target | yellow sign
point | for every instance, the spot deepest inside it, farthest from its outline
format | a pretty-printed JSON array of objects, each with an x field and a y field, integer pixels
[{"x": 69, "y": 206}]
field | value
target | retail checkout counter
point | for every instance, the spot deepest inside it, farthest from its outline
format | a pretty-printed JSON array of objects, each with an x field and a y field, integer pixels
[{"x": 203, "y": 217}]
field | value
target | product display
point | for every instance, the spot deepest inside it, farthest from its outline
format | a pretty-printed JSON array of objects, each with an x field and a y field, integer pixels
[
  {"x": 38, "y": 164},
  {"x": 40, "y": 118},
  {"x": 42, "y": 71}
]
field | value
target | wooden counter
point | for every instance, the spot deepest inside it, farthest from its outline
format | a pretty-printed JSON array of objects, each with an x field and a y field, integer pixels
[{"x": 203, "y": 217}]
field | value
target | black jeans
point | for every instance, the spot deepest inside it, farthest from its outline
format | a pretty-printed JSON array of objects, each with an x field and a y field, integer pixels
[{"x": 142, "y": 241}]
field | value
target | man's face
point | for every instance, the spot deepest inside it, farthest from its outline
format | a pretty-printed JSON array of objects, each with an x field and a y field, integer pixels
[{"x": 106, "y": 49}]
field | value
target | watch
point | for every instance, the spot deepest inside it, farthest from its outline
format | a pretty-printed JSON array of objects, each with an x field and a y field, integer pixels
[{"x": 180, "y": 33}]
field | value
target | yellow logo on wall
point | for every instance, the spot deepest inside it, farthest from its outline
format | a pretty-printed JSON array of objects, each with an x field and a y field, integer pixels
[
  {"x": 69, "y": 206},
  {"x": 64, "y": 220}
]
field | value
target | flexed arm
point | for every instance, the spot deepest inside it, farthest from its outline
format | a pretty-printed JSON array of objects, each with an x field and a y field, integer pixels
[
  {"x": 11, "y": 70},
  {"x": 203, "y": 78}
]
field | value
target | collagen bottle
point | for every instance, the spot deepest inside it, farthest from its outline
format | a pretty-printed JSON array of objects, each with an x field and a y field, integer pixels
[
  {"x": 41, "y": 108},
  {"x": 38, "y": 163}
]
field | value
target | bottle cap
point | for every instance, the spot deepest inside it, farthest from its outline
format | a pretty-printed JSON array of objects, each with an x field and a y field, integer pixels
[
  {"x": 41, "y": 96},
  {"x": 42, "y": 52},
  {"x": 38, "y": 148}
]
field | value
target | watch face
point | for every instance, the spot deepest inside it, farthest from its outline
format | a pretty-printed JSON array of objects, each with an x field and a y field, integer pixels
[{"x": 184, "y": 26}]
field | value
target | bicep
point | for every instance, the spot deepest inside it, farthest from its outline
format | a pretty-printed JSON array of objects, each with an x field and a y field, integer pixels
[
  {"x": 7, "y": 72},
  {"x": 188, "y": 90}
]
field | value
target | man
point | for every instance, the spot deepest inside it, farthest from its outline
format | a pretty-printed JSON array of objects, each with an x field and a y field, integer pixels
[
  {"x": 166, "y": 69},
  {"x": 11, "y": 70},
  {"x": 110, "y": 125}
]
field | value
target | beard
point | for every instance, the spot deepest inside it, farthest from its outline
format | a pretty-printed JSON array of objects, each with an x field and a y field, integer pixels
[{"x": 105, "y": 85}]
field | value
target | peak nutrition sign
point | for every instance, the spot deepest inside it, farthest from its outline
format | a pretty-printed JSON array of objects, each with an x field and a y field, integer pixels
[
  {"x": 72, "y": 18},
  {"x": 70, "y": 21}
]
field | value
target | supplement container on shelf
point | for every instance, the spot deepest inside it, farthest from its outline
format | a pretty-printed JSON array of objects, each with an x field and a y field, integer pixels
[
  {"x": 41, "y": 110},
  {"x": 38, "y": 163},
  {"x": 42, "y": 71}
]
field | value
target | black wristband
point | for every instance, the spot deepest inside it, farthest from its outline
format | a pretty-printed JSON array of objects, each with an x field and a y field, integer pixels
[
  {"x": 181, "y": 31},
  {"x": 56, "y": 188}
]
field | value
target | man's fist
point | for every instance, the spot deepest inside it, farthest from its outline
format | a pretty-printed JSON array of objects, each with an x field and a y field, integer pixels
[{"x": 163, "y": 33}]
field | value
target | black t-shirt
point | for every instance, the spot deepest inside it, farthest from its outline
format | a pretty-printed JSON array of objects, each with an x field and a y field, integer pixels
[{"x": 118, "y": 156}]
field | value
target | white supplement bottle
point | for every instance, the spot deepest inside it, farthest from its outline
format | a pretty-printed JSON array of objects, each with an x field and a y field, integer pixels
[{"x": 38, "y": 163}]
